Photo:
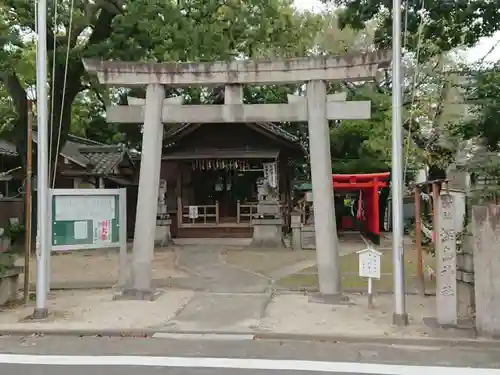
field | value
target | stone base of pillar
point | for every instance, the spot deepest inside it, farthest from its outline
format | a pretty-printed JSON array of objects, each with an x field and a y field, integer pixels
[
  {"x": 163, "y": 237},
  {"x": 268, "y": 233},
  {"x": 330, "y": 299},
  {"x": 137, "y": 295},
  {"x": 308, "y": 237},
  {"x": 401, "y": 320},
  {"x": 40, "y": 314},
  {"x": 296, "y": 225},
  {"x": 296, "y": 238},
  {"x": 466, "y": 304}
]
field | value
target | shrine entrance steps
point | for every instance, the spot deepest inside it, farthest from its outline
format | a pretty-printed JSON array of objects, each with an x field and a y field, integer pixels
[{"x": 217, "y": 232}]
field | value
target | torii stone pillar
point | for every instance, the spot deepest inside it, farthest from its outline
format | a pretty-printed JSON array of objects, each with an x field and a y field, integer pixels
[
  {"x": 327, "y": 247},
  {"x": 163, "y": 236},
  {"x": 140, "y": 286}
]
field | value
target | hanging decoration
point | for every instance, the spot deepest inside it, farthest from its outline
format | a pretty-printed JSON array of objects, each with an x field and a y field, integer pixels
[
  {"x": 360, "y": 212},
  {"x": 271, "y": 174},
  {"x": 162, "y": 202},
  {"x": 219, "y": 164}
]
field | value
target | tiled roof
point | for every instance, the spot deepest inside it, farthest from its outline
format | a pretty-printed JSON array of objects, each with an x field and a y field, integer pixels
[
  {"x": 97, "y": 157},
  {"x": 279, "y": 131},
  {"x": 102, "y": 160},
  {"x": 173, "y": 130},
  {"x": 7, "y": 148},
  {"x": 70, "y": 149}
]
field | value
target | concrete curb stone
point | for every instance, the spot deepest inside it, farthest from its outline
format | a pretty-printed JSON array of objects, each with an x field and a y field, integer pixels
[{"x": 271, "y": 336}]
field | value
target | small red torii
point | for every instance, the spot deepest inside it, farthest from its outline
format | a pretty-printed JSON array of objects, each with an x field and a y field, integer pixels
[{"x": 369, "y": 184}]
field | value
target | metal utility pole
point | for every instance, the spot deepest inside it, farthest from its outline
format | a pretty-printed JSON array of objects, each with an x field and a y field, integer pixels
[
  {"x": 400, "y": 316},
  {"x": 29, "y": 174},
  {"x": 42, "y": 254}
]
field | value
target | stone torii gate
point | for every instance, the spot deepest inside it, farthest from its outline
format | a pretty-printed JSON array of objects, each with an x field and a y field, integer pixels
[{"x": 316, "y": 108}]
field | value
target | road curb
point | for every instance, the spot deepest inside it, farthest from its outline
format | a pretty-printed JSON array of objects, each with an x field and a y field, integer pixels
[
  {"x": 381, "y": 340},
  {"x": 265, "y": 336},
  {"x": 79, "y": 332}
]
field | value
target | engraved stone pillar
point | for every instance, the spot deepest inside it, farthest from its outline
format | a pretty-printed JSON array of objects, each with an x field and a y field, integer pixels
[{"x": 446, "y": 273}]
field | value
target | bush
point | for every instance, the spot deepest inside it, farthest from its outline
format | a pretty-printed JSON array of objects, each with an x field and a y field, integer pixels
[{"x": 16, "y": 233}]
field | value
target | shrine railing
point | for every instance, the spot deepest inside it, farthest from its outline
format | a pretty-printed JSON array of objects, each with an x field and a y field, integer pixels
[
  {"x": 209, "y": 215},
  {"x": 205, "y": 214},
  {"x": 304, "y": 208},
  {"x": 245, "y": 212}
]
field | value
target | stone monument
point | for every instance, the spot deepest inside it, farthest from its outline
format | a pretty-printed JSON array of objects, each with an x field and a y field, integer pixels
[
  {"x": 163, "y": 236},
  {"x": 296, "y": 224},
  {"x": 268, "y": 224},
  {"x": 308, "y": 236},
  {"x": 446, "y": 254}
]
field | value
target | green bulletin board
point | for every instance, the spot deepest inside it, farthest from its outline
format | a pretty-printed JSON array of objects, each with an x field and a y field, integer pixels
[{"x": 86, "y": 218}]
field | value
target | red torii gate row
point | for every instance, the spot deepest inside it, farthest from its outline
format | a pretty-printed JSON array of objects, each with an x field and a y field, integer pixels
[{"x": 369, "y": 184}]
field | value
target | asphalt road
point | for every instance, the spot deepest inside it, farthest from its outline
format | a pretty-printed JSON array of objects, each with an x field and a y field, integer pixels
[
  {"x": 134, "y": 370},
  {"x": 207, "y": 356}
]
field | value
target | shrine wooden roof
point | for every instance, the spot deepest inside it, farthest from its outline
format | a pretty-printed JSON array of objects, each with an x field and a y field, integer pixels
[{"x": 174, "y": 133}]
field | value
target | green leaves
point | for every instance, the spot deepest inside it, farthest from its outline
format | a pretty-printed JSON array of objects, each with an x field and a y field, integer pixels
[
  {"x": 446, "y": 24},
  {"x": 482, "y": 92}
]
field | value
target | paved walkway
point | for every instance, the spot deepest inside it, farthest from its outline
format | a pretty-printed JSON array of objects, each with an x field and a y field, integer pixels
[
  {"x": 208, "y": 272},
  {"x": 227, "y": 296}
]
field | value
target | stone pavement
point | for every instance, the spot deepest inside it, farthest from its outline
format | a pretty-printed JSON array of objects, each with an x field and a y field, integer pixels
[
  {"x": 209, "y": 272},
  {"x": 261, "y": 314}
]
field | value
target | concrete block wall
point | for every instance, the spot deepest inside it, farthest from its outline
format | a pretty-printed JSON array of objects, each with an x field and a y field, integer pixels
[
  {"x": 486, "y": 233},
  {"x": 465, "y": 278}
]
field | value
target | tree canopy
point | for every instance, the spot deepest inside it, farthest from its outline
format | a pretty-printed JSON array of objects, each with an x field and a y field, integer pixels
[
  {"x": 200, "y": 30},
  {"x": 190, "y": 30},
  {"x": 442, "y": 24}
]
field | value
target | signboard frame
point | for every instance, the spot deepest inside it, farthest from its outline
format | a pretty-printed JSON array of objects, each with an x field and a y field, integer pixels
[{"x": 118, "y": 239}]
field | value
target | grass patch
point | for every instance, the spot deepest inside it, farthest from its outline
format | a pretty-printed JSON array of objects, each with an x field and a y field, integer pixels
[
  {"x": 265, "y": 262},
  {"x": 308, "y": 278}
]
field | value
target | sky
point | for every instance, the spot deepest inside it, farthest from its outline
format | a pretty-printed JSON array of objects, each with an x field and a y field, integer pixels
[{"x": 471, "y": 55}]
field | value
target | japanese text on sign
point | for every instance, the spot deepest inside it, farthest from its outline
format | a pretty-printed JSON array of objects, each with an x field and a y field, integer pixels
[
  {"x": 102, "y": 231},
  {"x": 72, "y": 208},
  {"x": 193, "y": 212},
  {"x": 369, "y": 264}
]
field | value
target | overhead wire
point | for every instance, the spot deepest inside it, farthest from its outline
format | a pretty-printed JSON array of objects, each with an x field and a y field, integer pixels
[
  {"x": 53, "y": 79},
  {"x": 66, "y": 63},
  {"x": 414, "y": 81}
]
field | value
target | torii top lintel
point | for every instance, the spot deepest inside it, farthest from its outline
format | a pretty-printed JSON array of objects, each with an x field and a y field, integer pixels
[{"x": 352, "y": 67}]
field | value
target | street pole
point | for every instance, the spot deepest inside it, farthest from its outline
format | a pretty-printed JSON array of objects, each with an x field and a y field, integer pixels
[
  {"x": 42, "y": 254},
  {"x": 27, "y": 226},
  {"x": 400, "y": 317}
]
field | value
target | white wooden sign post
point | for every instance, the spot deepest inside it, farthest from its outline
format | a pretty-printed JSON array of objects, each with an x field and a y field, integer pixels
[{"x": 369, "y": 267}]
